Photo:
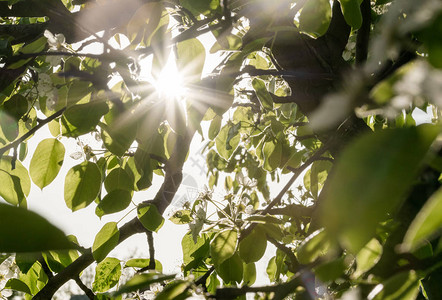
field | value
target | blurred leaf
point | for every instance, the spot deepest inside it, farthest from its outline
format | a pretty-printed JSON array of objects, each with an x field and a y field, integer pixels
[
  {"x": 142, "y": 281},
  {"x": 315, "y": 17},
  {"x": 107, "y": 274},
  {"x": 223, "y": 246},
  {"x": 376, "y": 173},
  {"x": 402, "y": 286},
  {"x": 427, "y": 223},
  {"x": 332, "y": 270},
  {"x": 25, "y": 231},
  {"x": 105, "y": 241},
  {"x": 150, "y": 217},
  {"x": 367, "y": 257},
  {"x": 315, "y": 245},
  {"x": 82, "y": 185},
  {"x": 46, "y": 162}
]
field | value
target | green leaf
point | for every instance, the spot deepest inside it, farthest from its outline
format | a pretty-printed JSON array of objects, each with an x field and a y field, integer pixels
[
  {"x": 231, "y": 270},
  {"x": 46, "y": 162},
  {"x": 367, "y": 257},
  {"x": 58, "y": 260},
  {"x": 223, "y": 245},
  {"x": 8, "y": 190},
  {"x": 272, "y": 269},
  {"x": 83, "y": 118},
  {"x": 352, "y": 12},
  {"x": 142, "y": 281},
  {"x": 115, "y": 201},
  {"x": 82, "y": 185},
  {"x": 19, "y": 175},
  {"x": 175, "y": 290},
  {"x": 107, "y": 274},
  {"x": 195, "y": 250},
  {"x": 119, "y": 134},
  {"x": 263, "y": 95},
  {"x": 191, "y": 55},
  {"x": 215, "y": 126},
  {"x": 118, "y": 179},
  {"x": 315, "y": 17},
  {"x": 402, "y": 286},
  {"x": 16, "y": 106},
  {"x": 249, "y": 273},
  {"x": 272, "y": 152},
  {"x": 427, "y": 223},
  {"x": 17, "y": 285},
  {"x": 25, "y": 231},
  {"x": 253, "y": 246},
  {"x": 142, "y": 263},
  {"x": 198, "y": 7},
  {"x": 226, "y": 142},
  {"x": 183, "y": 216},
  {"x": 332, "y": 270},
  {"x": 105, "y": 241},
  {"x": 315, "y": 245},
  {"x": 376, "y": 173},
  {"x": 150, "y": 217}
]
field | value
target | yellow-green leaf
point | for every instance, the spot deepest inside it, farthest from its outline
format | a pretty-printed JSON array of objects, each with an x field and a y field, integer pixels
[
  {"x": 150, "y": 217},
  {"x": 82, "y": 185},
  {"x": 223, "y": 245},
  {"x": 105, "y": 241},
  {"x": 46, "y": 162}
]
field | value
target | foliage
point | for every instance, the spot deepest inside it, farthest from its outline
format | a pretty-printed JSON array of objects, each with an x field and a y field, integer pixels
[{"x": 325, "y": 95}]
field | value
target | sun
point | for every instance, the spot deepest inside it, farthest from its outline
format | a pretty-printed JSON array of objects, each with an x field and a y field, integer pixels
[{"x": 170, "y": 85}]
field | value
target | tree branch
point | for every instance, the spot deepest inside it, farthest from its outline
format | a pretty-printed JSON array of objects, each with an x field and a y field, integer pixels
[
  {"x": 363, "y": 33},
  {"x": 84, "y": 288},
  {"x": 31, "y": 132},
  {"x": 81, "y": 263}
]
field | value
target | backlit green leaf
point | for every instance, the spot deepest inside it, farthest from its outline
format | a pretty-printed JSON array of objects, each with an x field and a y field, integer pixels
[
  {"x": 46, "y": 162},
  {"x": 115, "y": 201},
  {"x": 107, "y": 274},
  {"x": 231, "y": 270},
  {"x": 249, "y": 273},
  {"x": 402, "y": 286},
  {"x": 191, "y": 55},
  {"x": 82, "y": 185},
  {"x": 315, "y": 17},
  {"x": 25, "y": 231},
  {"x": 315, "y": 245},
  {"x": 105, "y": 241},
  {"x": 150, "y": 217},
  {"x": 142, "y": 263},
  {"x": 367, "y": 257},
  {"x": 215, "y": 126},
  {"x": 263, "y": 95},
  {"x": 427, "y": 223},
  {"x": 253, "y": 246},
  {"x": 223, "y": 246},
  {"x": 118, "y": 179}
]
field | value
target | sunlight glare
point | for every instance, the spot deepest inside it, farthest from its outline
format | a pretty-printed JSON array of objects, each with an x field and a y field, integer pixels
[{"x": 169, "y": 84}]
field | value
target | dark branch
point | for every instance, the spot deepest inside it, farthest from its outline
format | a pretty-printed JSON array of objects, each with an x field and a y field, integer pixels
[
  {"x": 31, "y": 132},
  {"x": 294, "y": 264},
  {"x": 363, "y": 33},
  {"x": 84, "y": 288}
]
